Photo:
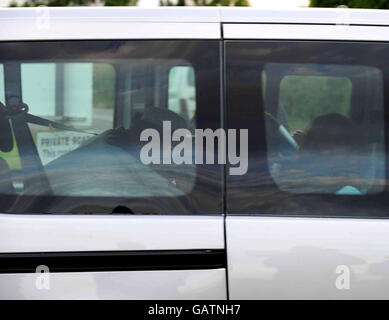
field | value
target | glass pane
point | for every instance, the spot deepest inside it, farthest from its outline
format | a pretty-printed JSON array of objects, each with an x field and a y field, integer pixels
[
  {"x": 78, "y": 95},
  {"x": 305, "y": 97},
  {"x": 182, "y": 92},
  {"x": 324, "y": 126},
  {"x": 80, "y": 149}
]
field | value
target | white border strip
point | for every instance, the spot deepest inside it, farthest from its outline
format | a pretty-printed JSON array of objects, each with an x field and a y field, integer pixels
[
  {"x": 305, "y": 32},
  {"x": 47, "y": 233},
  {"x": 52, "y": 29}
]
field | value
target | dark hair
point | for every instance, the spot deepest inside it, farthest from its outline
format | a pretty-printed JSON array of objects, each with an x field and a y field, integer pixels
[{"x": 333, "y": 132}]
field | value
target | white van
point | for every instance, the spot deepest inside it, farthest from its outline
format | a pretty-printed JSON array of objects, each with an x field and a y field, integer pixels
[{"x": 83, "y": 90}]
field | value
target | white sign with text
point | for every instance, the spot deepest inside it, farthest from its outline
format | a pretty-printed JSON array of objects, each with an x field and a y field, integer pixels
[{"x": 52, "y": 145}]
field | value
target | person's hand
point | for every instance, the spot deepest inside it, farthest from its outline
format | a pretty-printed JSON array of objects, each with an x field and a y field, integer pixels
[
  {"x": 298, "y": 136},
  {"x": 116, "y": 136}
]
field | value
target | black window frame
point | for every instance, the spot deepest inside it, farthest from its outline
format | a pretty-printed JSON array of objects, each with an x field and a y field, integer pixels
[
  {"x": 204, "y": 55},
  {"x": 256, "y": 193}
]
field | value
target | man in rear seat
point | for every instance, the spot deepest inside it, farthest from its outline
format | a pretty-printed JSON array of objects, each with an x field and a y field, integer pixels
[{"x": 334, "y": 149}]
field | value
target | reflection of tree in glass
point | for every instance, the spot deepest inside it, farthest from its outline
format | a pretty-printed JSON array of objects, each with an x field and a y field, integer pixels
[
  {"x": 204, "y": 2},
  {"x": 64, "y": 3},
  {"x": 373, "y": 4}
]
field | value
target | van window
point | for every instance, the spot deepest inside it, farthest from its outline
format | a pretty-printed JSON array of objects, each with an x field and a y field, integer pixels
[
  {"x": 315, "y": 113},
  {"x": 78, "y": 117},
  {"x": 320, "y": 138},
  {"x": 182, "y": 91}
]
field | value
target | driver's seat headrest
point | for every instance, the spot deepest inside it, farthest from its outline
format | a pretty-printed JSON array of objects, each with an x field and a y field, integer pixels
[{"x": 155, "y": 116}]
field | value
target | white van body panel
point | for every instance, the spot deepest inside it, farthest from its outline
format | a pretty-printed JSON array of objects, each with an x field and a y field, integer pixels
[
  {"x": 305, "y": 16},
  {"x": 302, "y": 257},
  {"x": 48, "y": 233},
  {"x": 51, "y": 233},
  {"x": 134, "y": 285},
  {"x": 44, "y": 23},
  {"x": 67, "y": 23},
  {"x": 70, "y": 30},
  {"x": 305, "y": 258},
  {"x": 268, "y": 257},
  {"x": 99, "y": 233},
  {"x": 304, "y": 32}
]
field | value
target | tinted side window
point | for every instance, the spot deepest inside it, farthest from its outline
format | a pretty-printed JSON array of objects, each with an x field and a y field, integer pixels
[
  {"x": 83, "y": 127},
  {"x": 315, "y": 114},
  {"x": 320, "y": 138}
]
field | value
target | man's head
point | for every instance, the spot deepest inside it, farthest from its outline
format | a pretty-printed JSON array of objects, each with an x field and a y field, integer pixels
[{"x": 334, "y": 151}]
